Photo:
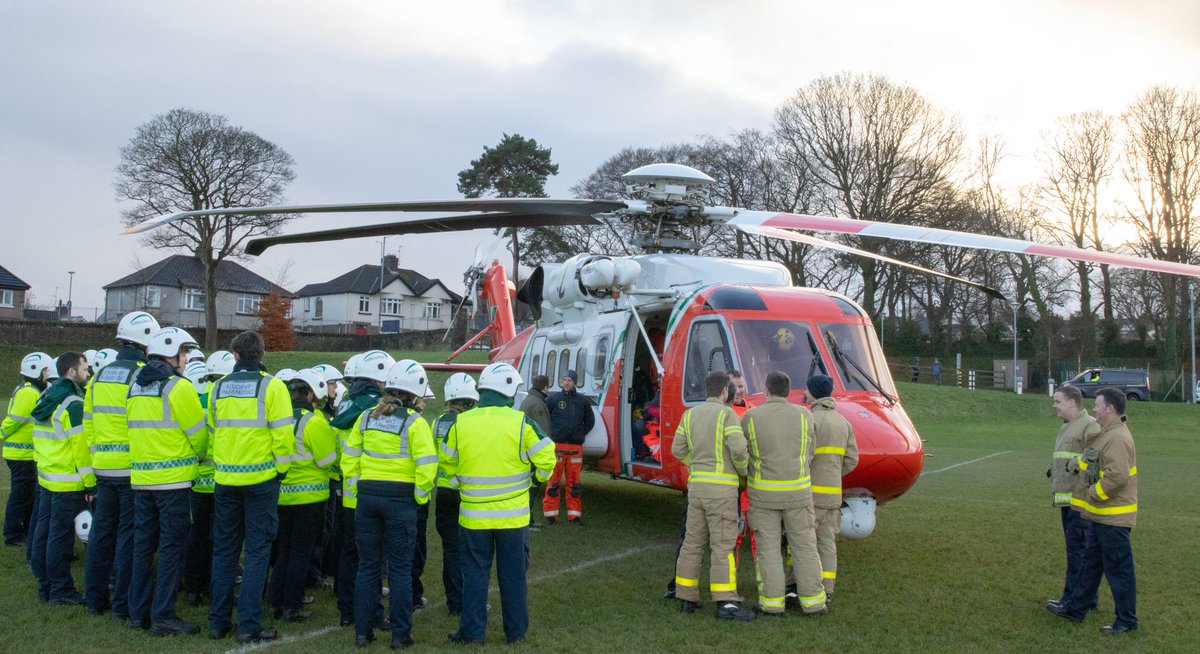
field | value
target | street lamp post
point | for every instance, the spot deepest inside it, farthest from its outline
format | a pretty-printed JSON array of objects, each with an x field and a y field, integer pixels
[
  {"x": 1014, "y": 304},
  {"x": 1192, "y": 332},
  {"x": 70, "y": 287}
]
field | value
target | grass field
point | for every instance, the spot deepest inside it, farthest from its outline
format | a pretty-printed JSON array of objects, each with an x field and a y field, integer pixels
[{"x": 961, "y": 563}]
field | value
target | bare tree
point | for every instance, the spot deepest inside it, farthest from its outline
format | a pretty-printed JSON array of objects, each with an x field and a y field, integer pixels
[
  {"x": 1162, "y": 164},
  {"x": 881, "y": 149},
  {"x": 187, "y": 160},
  {"x": 1078, "y": 162}
]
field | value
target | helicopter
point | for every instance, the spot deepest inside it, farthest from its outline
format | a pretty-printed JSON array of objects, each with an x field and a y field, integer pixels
[{"x": 661, "y": 320}]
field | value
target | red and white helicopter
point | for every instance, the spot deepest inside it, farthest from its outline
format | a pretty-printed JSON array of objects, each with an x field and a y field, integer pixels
[{"x": 667, "y": 317}]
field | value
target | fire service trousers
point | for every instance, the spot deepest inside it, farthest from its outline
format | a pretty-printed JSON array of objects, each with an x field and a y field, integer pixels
[
  {"x": 770, "y": 525},
  {"x": 712, "y": 524},
  {"x": 829, "y": 525}
]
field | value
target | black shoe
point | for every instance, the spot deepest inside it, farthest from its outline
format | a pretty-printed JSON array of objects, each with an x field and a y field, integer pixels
[
  {"x": 688, "y": 606},
  {"x": 420, "y": 603},
  {"x": 363, "y": 641},
  {"x": 733, "y": 611},
  {"x": 551, "y": 521},
  {"x": 1051, "y": 603},
  {"x": 74, "y": 599},
  {"x": 791, "y": 601},
  {"x": 758, "y": 610},
  {"x": 1057, "y": 609},
  {"x": 575, "y": 521},
  {"x": 296, "y": 615},
  {"x": 173, "y": 627},
  {"x": 219, "y": 634},
  {"x": 139, "y": 623},
  {"x": 383, "y": 623},
  {"x": 97, "y": 610},
  {"x": 1115, "y": 629},
  {"x": 816, "y": 614},
  {"x": 459, "y": 639},
  {"x": 262, "y": 636},
  {"x": 402, "y": 643},
  {"x": 670, "y": 594},
  {"x": 308, "y": 599}
]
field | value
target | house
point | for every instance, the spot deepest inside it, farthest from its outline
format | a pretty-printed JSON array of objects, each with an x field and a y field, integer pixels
[
  {"x": 12, "y": 295},
  {"x": 351, "y": 303},
  {"x": 173, "y": 291}
]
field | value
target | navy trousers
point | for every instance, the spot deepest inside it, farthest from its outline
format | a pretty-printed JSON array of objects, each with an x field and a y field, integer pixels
[
  {"x": 299, "y": 529},
  {"x": 110, "y": 546},
  {"x": 197, "y": 570},
  {"x": 420, "y": 552},
  {"x": 18, "y": 515},
  {"x": 446, "y": 520},
  {"x": 54, "y": 543},
  {"x": 385, "y": 526},
  {"x": 160, "y": 524},
  {"x": 1075, "y": 530},
  {"x": 1109, "y": 554},
  {"x": 242, "y": 515},
  {"x": 347, "y": 570},
  {"x": 510, "y": 548}
]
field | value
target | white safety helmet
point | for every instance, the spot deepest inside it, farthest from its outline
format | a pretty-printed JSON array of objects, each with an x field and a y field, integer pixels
[
  {"x": 327, "y": 372},
  {"x": 137, "y": 327},
  {"x": 350, "y": 370},
  {"x": 104, "y": 357},
  {"x": 90, "y": 356},
  {"x": 34, "y": 363},
  {"x": 83, "y": 525},
  {"x": 339, "y": 395},
  {"x": 196, "y": 355},
  {"x": 313, "y": 380},
  {"x": 196, "y": 371},
  {"x": 286, "y": 374},
  {"x": 500, "y": 377},
  {"x": 858, "y": 517},
  {"x": 461, "y": 386},
  {"x": 375, "y": 365},
  {"x": 167, "y": 342},
  {"x": 221, "y": 363},
  {"x": 52, "y": 370},
  {"x": 409, "y": 376}
]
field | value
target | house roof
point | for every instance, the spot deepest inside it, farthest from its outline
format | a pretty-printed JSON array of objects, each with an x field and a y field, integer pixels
[
  {"x": 11, "y": 281},
  {"x": 365, "y": 280},
  {"x": 183, "y": 271}
]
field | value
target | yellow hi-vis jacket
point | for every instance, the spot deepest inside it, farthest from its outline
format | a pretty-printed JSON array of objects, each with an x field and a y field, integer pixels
[
  {"x": 17, "y": 429},
  {"x": 104, "y": 418},
  {"x": 781, "y": 451},
  {"x": 441, "y": 430},
  {"x": 250, "y": 415},
  {"x": 488, "y": 454},
  {"x": 63, "y": 461},
  {"x": 204, "y": 474},
  {"x": 395, "y": 448},
  {"x": 307, "y": 480},
  {"x": 167, "y": 434},
  {"x": 710, "y": 442},
  {"x": 835, "y": 453}
]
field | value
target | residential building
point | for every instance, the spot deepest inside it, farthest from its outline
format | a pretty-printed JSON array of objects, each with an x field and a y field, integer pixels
[
  {"x": 173, "y": 291},
  {"x": 352, "y": 304},
  {"x": 12, "y": 295}
]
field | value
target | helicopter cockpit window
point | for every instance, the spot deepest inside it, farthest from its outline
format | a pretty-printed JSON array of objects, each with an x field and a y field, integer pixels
[
  {"x": 861, "y": 361},
  {"x": 767, "y": 345},
  {"x": 708, "y": 350}
]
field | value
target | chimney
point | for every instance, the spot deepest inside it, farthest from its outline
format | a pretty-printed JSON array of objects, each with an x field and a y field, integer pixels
[{"x": 391, "y": 263}]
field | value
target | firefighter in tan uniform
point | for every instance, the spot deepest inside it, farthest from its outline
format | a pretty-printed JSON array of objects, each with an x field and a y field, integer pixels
[
  {"x": 1077, "y": 427},
  {"x": 781, "y": 501},
  {"x": 835, "y": 455},
  {"x": 710, "y": 443}
]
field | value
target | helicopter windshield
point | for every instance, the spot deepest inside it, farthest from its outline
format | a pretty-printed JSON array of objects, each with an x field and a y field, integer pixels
[
  {"x": 766, "y": 345},
  {"x": 858, "y": 347}
]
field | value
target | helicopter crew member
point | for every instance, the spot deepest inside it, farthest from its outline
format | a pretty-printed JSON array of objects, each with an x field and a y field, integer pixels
[
  {"x": 250, "y": 413},
  {"x": 835, "y": 455},
  {"x": 167, "y": 434},
  {"x": 16, "y": 436},
  {"x": 110, "y": 542},
  {"x": 1077, "y": 427},
  {"x": 461, "y": 395},
  {"x": 391, "y": 457},
  {"x": 489, "y": 452},
  {"x": 369, "y": 372},
  {"x": 571, "y": 419},
  {"x": 1106, "y": 496},
  {"x": 64, "y": 469},
  {"x": 302, "y": 496},
  {"x": 710, "y": 442}
]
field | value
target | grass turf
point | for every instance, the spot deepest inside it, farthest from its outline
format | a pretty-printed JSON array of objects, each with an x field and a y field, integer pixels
[{"x": 960, "y": 563}]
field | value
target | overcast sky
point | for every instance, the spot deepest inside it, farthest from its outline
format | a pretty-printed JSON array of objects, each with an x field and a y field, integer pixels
[{"x": 389, "y": 100}]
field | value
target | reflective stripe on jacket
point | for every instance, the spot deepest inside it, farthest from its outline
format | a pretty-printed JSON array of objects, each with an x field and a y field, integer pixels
[
  {"x": 250, "y": 415},
  {"x": 835, "y": 453},
  {"x": 63, "y": 461},
  {"x": 488, "y": 452},
  {"x": 397, "y": 448},
  {"x": 781, "y": 451},
  {"x": 104, "y": 418},
  {"x": 441, "y": 430},
  {"x": 1068, "y": 447},
  {"x": 307, "y": 480},
  {"x": 167, "y": 434},
  {"x": 1113, "y": 499},
  {"x": 17, "y": 429},
  {"x": 710, "y": 442}
]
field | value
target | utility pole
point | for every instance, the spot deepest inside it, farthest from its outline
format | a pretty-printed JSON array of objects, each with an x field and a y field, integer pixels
[
  {"x": 70, "y": 287},
  {"x": 1014, "y": 304},
  {"x": 382, "y": 255},
  {"x": 1192, "y": 332}
]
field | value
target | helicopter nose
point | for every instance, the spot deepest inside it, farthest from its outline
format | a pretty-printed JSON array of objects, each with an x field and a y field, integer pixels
[{"x": 890, "y": 450}]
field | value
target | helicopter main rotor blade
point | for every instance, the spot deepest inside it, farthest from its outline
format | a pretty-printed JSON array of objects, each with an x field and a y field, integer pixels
[
  {"x": 427, "y": 226},
  {"x": 932, "y": 236},
  {"x": 783, "y": 234},
  {"x": 543, "y": 206}
]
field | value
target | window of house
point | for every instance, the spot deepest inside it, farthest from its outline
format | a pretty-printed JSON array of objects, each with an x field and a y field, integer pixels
[
  {"x": 307, "y": 304},
  {"x": 153, "y": 297},
  {"x": 193, "y": 298},
  {"x": 319, "y": 312},
  {"x": 6, "y": 298},
  {"x": 364, "y": 304},
  {"x": 433, "y": 310},
  {"x": 392, "y": 305},
  {"x": 248, "y": 304},
  {"x": 707, "y": 351}
]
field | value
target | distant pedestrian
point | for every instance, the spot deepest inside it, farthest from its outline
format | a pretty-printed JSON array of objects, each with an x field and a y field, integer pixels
[
  {"x": 937, "y": 371},
  {"x": 916, "y": 369}
]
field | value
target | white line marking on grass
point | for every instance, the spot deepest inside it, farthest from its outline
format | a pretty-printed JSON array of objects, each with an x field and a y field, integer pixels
[
  {"x": 316, "y": 633},
  {"x": 958, "y": 465}
]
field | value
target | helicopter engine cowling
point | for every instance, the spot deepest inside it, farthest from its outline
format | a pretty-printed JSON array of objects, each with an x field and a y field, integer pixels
[{"x": 586, "y": 279}]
